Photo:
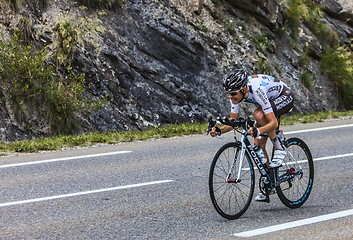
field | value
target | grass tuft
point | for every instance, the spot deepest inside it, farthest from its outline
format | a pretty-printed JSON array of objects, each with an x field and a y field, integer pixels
[{"x": 312, "y": 117}]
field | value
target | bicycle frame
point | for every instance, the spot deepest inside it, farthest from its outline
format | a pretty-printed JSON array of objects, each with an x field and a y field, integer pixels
[{"x": 247, "y": 146}]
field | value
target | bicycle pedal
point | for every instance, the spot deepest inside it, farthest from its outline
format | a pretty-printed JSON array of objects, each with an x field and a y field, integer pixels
[{"x": 267, "y": 198}]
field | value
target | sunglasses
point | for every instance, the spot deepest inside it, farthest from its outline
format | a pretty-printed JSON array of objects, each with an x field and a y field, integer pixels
[{"x": 233, "y": 93}]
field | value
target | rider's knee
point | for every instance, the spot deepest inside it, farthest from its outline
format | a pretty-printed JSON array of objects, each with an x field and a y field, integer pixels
[{"x": 259, "y": 114}]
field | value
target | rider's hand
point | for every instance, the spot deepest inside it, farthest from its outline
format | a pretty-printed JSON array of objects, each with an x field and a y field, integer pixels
[
  {"x": 216, "y": 131},
  {"x": 254, "y": 131}
]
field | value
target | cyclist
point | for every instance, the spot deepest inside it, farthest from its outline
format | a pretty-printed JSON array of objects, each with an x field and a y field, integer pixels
[{"x": 272, "y": 97}]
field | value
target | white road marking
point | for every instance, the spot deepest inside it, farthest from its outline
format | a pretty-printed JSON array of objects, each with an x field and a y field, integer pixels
[
  {"x": 82, "y": 193},
  {"x": 325, "y": 158},
  {"x": 317, "y": 159},
  {"x": 319, "y": 129},
  {"x": 298, "y": 223},
  {"x": 335, "y": 156},
  {"x": 63, "y": 159}
]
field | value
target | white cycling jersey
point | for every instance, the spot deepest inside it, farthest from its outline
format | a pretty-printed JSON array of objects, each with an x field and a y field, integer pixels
[{"x": 262, "y": 89}]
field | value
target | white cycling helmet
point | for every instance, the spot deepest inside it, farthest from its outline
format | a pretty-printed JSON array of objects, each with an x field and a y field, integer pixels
[{"x": 235, "y": 81}]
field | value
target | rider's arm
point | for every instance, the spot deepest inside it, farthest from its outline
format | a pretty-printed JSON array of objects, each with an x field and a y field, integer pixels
[{"x": 224, "y": 128}]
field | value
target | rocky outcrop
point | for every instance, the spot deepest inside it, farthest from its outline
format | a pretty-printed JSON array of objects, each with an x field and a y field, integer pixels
[
  {"x": 163, "y": 61},
  {"x": 335, "y": 10},
  {"x": 268, "y": 12},
  {"x": 156, "y": 71}
]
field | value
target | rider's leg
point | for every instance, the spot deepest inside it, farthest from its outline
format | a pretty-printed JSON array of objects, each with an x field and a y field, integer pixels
[{"x": 261, "y": 121}]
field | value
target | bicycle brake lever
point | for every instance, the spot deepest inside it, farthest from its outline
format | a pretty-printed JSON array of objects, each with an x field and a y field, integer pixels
[{"x": 210, "y": 125}]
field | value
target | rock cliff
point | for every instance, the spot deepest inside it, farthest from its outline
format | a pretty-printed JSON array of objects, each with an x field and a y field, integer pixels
[{"x": 162, "y": 61}]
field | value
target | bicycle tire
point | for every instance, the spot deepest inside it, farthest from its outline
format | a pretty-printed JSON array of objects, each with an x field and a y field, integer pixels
[
  {"x": 295, "y": 191},
  {"x": 231, "y": 200}
]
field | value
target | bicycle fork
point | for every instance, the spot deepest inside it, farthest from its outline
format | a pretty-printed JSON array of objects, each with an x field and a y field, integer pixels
[{"x": 241, "y": 160}]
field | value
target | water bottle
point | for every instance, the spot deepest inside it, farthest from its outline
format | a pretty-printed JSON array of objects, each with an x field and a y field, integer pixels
[{"x": 260, "y": 153}]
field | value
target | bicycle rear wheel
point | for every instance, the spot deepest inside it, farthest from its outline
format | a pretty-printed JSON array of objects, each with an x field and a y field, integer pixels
[
  {"x": 230, "y": 198},
  {"x": 297, "y": 172}
]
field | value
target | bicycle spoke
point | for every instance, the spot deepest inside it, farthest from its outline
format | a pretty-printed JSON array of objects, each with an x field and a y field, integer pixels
[
  {"x": 230, "y": 198},
  {"x": 298, "y": 169}
]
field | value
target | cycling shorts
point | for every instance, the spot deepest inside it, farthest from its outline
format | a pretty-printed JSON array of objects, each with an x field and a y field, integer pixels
[{"x": 283, "y": 103}]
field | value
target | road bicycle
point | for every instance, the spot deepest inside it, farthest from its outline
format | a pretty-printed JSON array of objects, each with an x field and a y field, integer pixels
[{"x": 232, "y": 172}]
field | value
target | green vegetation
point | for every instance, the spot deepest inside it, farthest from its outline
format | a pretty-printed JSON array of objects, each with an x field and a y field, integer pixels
[
  {"x": 76, "y": 31},
  {"x": 40, "y": 84},
  {"x": 264, "y": 66},
  {"x": 309, "y": 13},
  {"x": 204, "y": 27},
  {"x": 305, "y": 58},
  {"x": 295, "y": 14},
  {"x": 338, "y": 64},
  {"x": 59, "y": 142},
  {"x": 337, "y": 61},
  {"x": 229, "y": 26},
  {"x": 25, "y": 26},
  {"x": 308, "y": 79},
  {"x": 312, "y": 117},
  {"x": 15, "y": 4},
  {"x": 324, "y": 33},
  {"x": 261, "y": 41},
  {"x": 66, "y": 39},
  {"x": 35, "y": 91}
]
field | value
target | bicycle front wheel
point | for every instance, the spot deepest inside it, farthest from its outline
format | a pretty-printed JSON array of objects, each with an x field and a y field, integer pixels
[
  {"x": 231, "y": 198},
  {"x": 296, "y": 175}
]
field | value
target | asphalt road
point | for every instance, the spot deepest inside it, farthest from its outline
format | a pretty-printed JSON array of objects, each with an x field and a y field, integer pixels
[{"x": 158, "y": 189}]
